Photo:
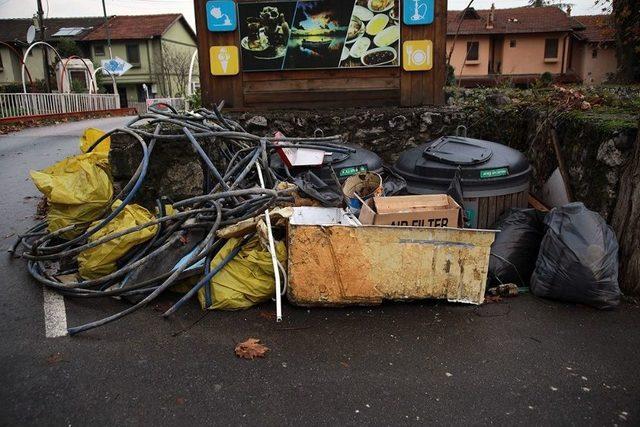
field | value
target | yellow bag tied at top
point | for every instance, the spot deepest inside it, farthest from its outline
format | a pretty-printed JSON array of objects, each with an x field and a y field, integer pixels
[
  {"x": 246, "y": 280},
  {"x": 101, "y": 260},
  {"x": 90, "y": 136},
  {"x": 78, "y": 190}
]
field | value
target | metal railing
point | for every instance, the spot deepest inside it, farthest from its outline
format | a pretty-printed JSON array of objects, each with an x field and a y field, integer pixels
[{"x": 34, "y": 104}]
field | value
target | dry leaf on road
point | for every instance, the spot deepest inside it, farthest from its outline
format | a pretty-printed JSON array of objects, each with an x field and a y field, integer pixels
[{"x": 250, "y": 349}]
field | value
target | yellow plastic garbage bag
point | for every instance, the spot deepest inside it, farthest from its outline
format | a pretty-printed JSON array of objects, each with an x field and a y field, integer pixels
[
  {"x": 101, "y": 260},
  {"x": 77, "y": 188},
  {"x": 246, "y": 280},
  {"x": 90, "y": 136}
]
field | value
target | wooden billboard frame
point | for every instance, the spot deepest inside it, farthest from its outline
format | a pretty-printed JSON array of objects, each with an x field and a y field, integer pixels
[{"x": 335, "y": 88}]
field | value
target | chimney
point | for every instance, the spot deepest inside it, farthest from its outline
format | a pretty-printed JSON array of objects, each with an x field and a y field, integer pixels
[
  {"x": 491, "y": 19},
  {"x": 568, "y": 10}
]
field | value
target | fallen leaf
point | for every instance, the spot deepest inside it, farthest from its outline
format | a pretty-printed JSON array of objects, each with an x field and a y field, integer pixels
[
  {"x": 250, "y": 349},
  {"x": 42, "y": 208},
  {"x": 55, "y": 358},
  {"x": 163, "y": 306},
  {"x": 269, "y": 315}
]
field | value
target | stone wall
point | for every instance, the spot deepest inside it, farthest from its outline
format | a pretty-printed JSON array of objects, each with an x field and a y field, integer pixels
[{"x": 594, "y": 152}]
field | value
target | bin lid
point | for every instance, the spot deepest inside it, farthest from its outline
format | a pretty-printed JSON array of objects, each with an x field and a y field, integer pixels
[
  {"x": 484, "y": 166},
  {"x": 458, "y": 151}
]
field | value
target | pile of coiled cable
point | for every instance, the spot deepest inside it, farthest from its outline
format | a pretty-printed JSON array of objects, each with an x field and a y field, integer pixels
[{"x": 235, "y": 192}]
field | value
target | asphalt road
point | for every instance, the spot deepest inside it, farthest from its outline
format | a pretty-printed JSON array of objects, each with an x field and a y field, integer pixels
[{"x": 522, "y": 361}]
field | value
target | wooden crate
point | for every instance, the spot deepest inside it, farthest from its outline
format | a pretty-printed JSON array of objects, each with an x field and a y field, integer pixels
[{"x": 338, "y": 265}]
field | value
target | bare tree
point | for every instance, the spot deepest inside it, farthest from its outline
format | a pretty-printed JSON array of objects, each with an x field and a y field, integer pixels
[
  {"x": 542, "y": 3},
  {"x": 173, "y": 68}
]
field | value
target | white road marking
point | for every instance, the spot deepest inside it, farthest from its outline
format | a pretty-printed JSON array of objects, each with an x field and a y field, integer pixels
[{"x": 55, "y": 314}]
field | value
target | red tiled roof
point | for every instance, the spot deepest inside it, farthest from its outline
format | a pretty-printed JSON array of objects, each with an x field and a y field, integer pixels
[
  {"x": 512, "y": 21},
  {"x": 597, "y": 28},
  {"x": 128, "y": 27}
]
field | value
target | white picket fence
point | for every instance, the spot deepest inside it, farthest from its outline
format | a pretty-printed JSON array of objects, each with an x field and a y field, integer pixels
[{"x": 34, "y": 104}]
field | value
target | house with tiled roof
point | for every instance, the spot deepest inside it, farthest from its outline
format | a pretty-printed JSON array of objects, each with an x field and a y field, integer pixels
[
  {"x": 594, "y": 55},
  {"x": 518, "y": 43},
  {"x": 159, "y": 48},
  {"x": 13, "y": 43}
]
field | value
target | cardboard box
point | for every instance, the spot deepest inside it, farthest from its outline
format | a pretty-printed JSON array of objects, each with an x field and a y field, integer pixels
[{"x": 433, "y": 210}]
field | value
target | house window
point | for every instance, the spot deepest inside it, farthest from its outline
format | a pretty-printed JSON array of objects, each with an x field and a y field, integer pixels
[
  {"x": 551, "y": 48},
  {"x": 594, "y": 53},
  {"x": 133, "y": 54},
  {"x": 473, "y": 49},
  {"x": 512, "y": 43},
  {"x": 98, "y": 50}
]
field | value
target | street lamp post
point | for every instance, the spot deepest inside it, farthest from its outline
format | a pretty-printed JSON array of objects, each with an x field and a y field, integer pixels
[
  {"x": 45, "y": 56},
  {"x": 106, "y": 24}
]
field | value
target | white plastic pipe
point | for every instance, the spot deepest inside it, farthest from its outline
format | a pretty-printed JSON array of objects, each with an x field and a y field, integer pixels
[
  {"x": 272, "y": 250},
  {"x": 24, "y": 59},
  {"x": 113, "y": 79}
]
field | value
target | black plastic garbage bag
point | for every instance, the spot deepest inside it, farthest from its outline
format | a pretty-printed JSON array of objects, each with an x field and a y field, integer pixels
[
  {"x": 578, "y": 259},
  {"x": 515, "y": 249}
]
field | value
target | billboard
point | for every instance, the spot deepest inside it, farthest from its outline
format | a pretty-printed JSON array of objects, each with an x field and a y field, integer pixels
[{"x": 319, "y": 34}]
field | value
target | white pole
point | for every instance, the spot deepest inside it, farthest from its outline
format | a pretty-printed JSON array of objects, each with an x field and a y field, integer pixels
[
  {"x": 272, "y": 249},
  {"x": 190, "y": 82}
]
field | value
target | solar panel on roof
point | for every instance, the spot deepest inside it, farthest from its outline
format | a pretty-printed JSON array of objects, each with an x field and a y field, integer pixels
[{"x": 68, "y": 31}]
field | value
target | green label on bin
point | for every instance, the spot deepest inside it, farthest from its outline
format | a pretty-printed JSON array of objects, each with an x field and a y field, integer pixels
[
  {"x": 493, "y": 173},
  {"x": 353, "y": 170}
]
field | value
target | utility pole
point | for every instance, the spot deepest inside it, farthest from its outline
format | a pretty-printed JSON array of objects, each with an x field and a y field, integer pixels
[
  {"x": 106, "y": 24},
  {"x": 45, "y": 56}
]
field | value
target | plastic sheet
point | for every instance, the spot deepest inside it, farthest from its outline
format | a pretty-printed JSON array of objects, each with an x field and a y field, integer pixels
[
  {"x": 578, "y": 259},
  {"x": 78, "y": 190},
  {"x": 101, "y": 260},
  {"x": 90, "y": 136},
  {"x": 328, "y": 194},
  {"x": 246, "y": 280},
  {"x": 393, "y": 183},
  {"x": 516, "y": 247}
]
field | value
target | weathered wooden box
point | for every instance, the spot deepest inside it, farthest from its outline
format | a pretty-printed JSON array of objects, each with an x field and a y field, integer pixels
[{"x": 335, "y": 263}]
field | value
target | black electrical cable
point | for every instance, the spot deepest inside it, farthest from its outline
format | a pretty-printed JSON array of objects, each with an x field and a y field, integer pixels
[{"x": 234, "y": 194}]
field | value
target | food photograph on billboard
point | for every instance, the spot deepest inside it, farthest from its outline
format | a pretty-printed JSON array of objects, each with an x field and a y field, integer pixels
[{"x": 319, "y": 34}]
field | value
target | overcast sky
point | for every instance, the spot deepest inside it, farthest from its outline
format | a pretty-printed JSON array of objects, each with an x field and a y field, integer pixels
[{"x": 56, "y": 8}]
